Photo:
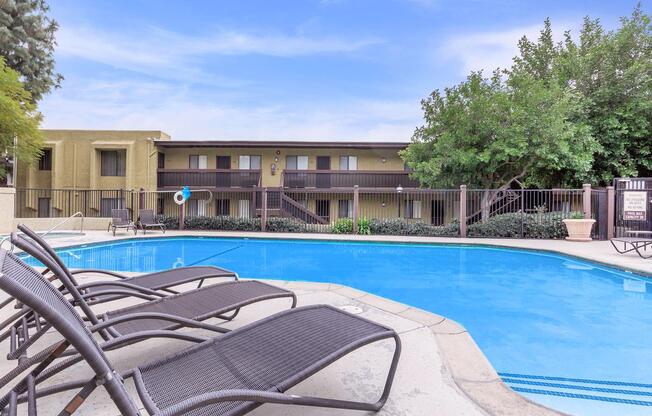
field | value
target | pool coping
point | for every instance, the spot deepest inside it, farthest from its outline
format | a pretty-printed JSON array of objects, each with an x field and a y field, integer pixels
[{"x": 466, "y": 364}]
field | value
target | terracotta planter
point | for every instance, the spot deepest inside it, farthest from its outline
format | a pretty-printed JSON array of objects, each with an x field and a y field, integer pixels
[{"x": 579, "y": 230}]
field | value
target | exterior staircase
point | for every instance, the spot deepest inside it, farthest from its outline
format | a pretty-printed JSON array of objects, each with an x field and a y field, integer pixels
[{"x": 281, "y": 205}]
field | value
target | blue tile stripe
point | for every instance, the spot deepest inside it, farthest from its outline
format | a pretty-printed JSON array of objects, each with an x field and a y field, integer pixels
[
  {"x": 582, "y": 396},
  {"x": 576, "y": 380},
  {"x": 577, "y": 387}
]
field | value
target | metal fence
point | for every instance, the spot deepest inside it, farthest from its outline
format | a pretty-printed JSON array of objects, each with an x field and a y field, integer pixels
[{"x": 512, "y": 213}]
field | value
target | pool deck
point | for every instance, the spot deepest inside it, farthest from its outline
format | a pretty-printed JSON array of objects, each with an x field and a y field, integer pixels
[{"x": 442, "y": 371}]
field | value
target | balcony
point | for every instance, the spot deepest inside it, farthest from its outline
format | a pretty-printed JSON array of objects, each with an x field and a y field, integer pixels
[
  {"x": 347, "y": 179},
  {"x": 209, "y": 178}
]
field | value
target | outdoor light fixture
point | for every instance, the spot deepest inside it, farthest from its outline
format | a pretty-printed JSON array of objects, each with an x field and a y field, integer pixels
[
  {"x": 383, "y": 159},
  {"x": 399, "y": 189}
]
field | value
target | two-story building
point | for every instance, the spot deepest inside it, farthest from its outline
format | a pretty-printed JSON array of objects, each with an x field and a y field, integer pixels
[{"x": 309, "y": 180}]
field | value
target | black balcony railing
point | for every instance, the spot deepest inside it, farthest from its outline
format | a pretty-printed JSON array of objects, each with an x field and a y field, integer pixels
[
  {"x": 211, "y": 178},
  {"x": 347, "y": 179}
]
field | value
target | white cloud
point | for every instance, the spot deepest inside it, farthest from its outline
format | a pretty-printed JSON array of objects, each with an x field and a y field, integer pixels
[
  {"x": 171, "y": 55},
  {"x": 491, "y": 49},
  {"x": 186, "y": 115}
]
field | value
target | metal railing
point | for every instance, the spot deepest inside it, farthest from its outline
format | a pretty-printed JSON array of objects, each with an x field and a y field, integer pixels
[
  {"x": 62, "y": 203},
  {"x": 214, "y": 178},
  {"x": 347, "y": 179}
]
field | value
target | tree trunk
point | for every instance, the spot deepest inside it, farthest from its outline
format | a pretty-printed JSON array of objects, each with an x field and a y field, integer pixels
[{"x": 488, "y": 198}]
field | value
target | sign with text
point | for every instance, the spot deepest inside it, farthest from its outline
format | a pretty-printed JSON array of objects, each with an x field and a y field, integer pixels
[{"x": 634, "y": 205}]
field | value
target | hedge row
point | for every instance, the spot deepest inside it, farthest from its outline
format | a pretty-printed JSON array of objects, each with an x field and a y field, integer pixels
[{"x": 548, "y": 226}]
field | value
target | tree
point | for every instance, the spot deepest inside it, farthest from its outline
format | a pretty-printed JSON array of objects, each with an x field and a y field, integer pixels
[
  {"x": 491, "y": 132},
  {"x": 19, "y": 121},
  {"x": 27, "y": 43},
  {"x": 611, "y": 72}
]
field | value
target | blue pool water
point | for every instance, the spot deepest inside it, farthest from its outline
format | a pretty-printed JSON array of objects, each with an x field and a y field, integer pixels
[{"x": 533, "y": 314}]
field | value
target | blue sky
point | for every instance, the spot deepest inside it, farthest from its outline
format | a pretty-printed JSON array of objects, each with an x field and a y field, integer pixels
[{"x": 304, "y": 70}]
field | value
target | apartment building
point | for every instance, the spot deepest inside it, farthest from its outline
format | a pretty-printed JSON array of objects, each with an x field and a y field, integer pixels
[{"x": 312, "y": 181}]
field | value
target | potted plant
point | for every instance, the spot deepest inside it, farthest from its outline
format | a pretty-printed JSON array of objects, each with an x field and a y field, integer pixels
[{"x": 578, "y": 227}]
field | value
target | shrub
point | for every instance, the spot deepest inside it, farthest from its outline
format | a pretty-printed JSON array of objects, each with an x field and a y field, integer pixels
[
  {"x": 364, "y": 226},
  {"x": 541, "y": 225},
  {"x": 285, "y": 225},
  {"x": 171, "y": 223},
  {"x": 398, "y": 226},
  {"x": 343, "y": 226},
  {"x": 222, "y": 223}
]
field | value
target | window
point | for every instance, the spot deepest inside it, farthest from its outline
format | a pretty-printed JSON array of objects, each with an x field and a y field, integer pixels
[
  {"x": 196, "y": 208},
  {"x": 107, "y": 204},
  {"x": 113, "y": 162},
  {"x": 250, "y": 162},
  {"x": 243, "y": 208},
  {"x": 197, "y": 162},
  {"x": 348, "y": 163},
  {"x": 45, "y": 162},
  {"x": 44, "y": 207},
  {"x": 223, "y": 207},
  {"x": 296, "y": 162},
  {"x": 412, "y": 208},
  {"x": 323, "y": 208},
  {"x": 161, "y": 160},
  {"x": 345, "y": 208}
]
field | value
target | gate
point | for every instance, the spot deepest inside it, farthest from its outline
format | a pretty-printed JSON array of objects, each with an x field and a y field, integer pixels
[{"x": 633, "y": 205}]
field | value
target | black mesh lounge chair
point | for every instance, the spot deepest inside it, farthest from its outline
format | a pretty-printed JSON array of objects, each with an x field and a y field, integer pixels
[
  {"x": 637, "y": 244},
  {"x": 120, "y": 219},
  {"x": 156, "y": 318},
  {"x": 229, "y": 375},
  {"x": 162, "y": 281},
  {"x": 146, "y": 220}
]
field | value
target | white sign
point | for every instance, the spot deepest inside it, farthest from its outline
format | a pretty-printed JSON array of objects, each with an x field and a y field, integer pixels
[{"x": 634, "y": 205}]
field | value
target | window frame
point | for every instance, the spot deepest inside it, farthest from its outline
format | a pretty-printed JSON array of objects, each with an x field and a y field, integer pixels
[
  {"x": 45, "y": 161},
  {"x": 115, "y": 168}
]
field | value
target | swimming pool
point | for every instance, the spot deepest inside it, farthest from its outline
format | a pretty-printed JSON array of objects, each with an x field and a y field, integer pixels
[{"x": 556, "y": 328}]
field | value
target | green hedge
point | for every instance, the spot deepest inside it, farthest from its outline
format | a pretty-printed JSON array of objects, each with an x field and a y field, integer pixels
[
  {"x": 285, "y": 225},
  {"x": 545, "y": 225},
  {"x": 212, "y": 223},
  {"x": 397, "y": 226}
]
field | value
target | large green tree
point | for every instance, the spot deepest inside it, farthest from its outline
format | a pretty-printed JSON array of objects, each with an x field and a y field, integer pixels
[
  {"x": 489, "y": 133},
  {"x": 611, "y": 72},
  {"x": 19, "y": 120},
  {"x": 27, "y": 43}
]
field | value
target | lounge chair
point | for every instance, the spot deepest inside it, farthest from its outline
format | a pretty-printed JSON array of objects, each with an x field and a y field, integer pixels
[
  {"x": 147, "y": 220},
  {"x": 156, "y": 318},
  {"x": 120, "y": 219},
  {"x": 162, "y": 281},
  {"x": 228, "y": 375},
  {"x": 637, "y": 244}
]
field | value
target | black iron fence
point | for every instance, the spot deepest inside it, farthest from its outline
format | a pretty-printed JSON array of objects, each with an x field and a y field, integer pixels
[{"x": 511, "y": 213}]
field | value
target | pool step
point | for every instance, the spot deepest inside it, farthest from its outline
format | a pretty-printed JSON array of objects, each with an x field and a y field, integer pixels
[{"x": 639, "y": 394}]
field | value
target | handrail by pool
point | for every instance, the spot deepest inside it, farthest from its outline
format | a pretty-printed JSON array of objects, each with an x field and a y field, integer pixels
[{"x": 59, "y": 224}]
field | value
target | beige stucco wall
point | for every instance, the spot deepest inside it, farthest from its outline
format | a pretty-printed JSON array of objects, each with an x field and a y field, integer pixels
[
  {"x": 76, "y": 160},
  {"x": 7, "y": 196},
  {"x": 368, "y": 159}
]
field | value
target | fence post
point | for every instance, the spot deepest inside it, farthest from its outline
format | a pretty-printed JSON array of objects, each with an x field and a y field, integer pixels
[
  {"x": 586, "y": 200},
  {"x": 263, "y": 210},
  {"x": 463, "y": 211},
  {"x": 182, "y": 215},
  {"x": 611, "y": 208},
  {"x": 356, "y": 208}
]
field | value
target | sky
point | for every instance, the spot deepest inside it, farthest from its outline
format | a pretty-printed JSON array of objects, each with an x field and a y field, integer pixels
[{"x": 351, "y": 70}]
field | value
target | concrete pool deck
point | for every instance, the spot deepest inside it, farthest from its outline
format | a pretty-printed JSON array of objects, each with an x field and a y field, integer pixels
[{"x": 442, "y": 371}]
